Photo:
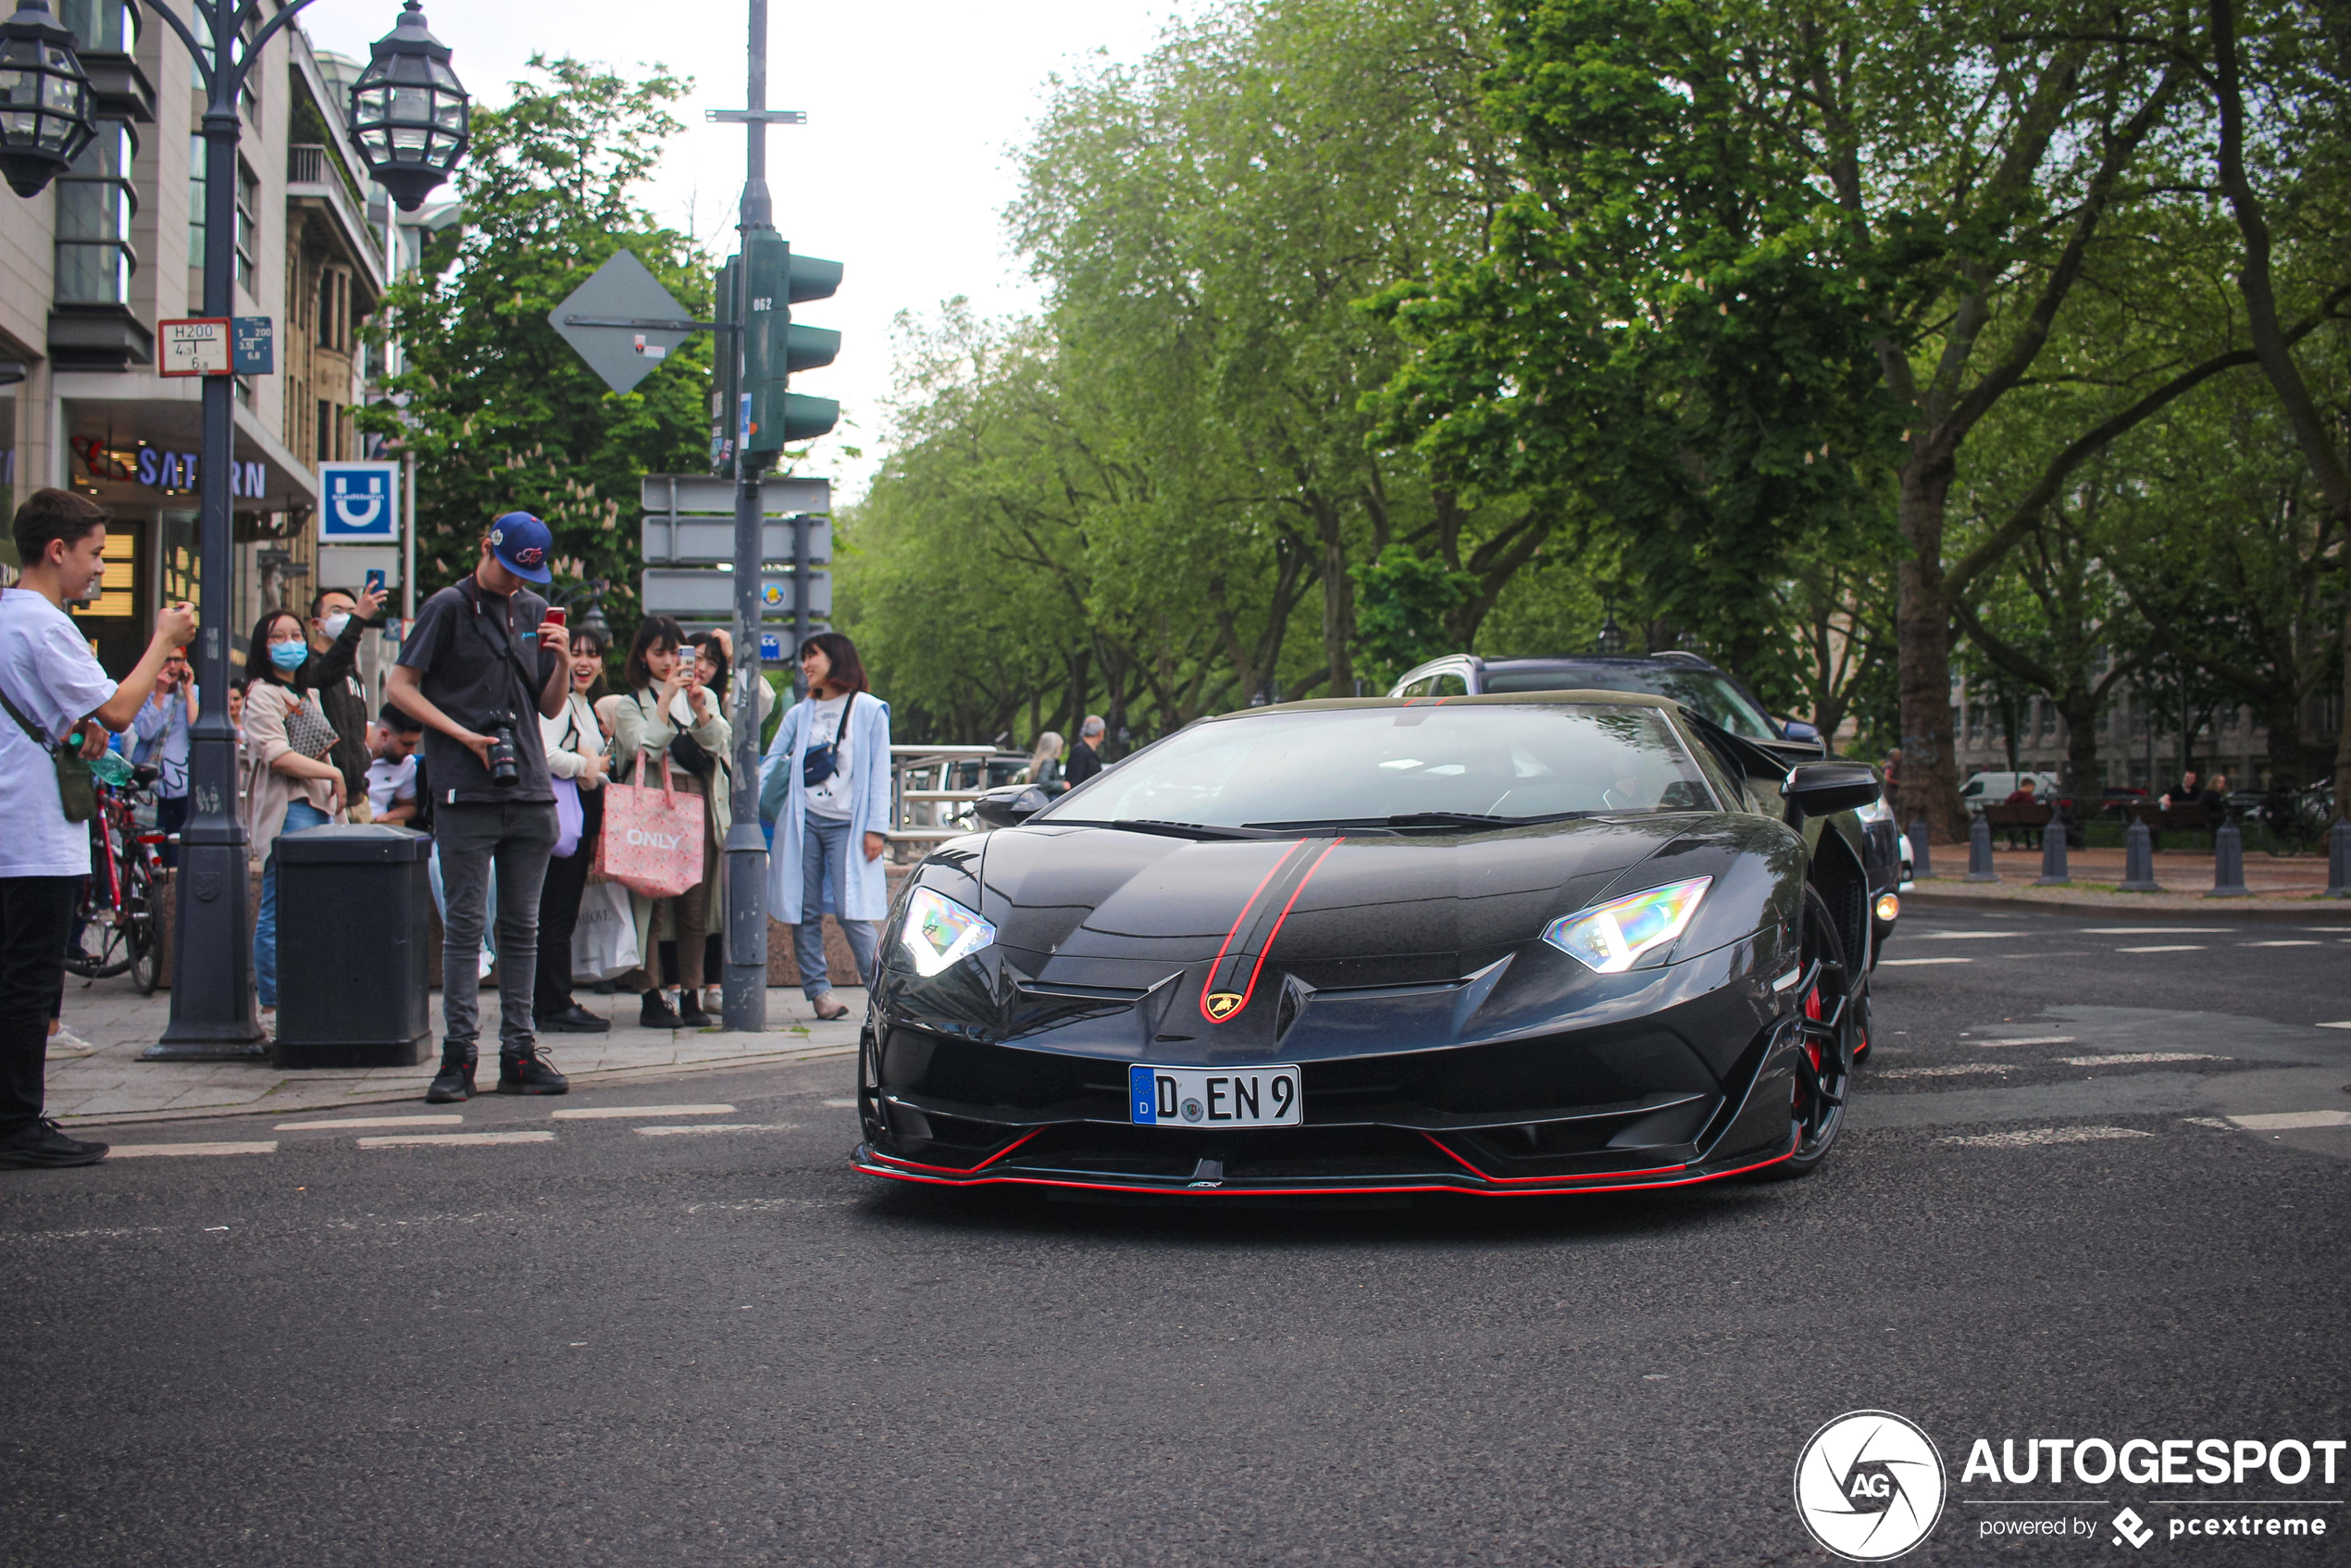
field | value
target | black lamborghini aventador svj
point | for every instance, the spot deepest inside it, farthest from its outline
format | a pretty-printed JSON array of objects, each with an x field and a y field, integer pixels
[{"x": 1549, "y": 942}]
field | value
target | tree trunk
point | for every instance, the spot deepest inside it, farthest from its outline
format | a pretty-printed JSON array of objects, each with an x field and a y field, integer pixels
[
  {"x": 2078, "y": 711},
  {"x": 1923, "y": 619},
  {"x": 1339, "y": 606}
]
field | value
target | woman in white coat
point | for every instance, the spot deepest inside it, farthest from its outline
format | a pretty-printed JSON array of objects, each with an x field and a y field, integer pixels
[{"x": 829, "y": 835}]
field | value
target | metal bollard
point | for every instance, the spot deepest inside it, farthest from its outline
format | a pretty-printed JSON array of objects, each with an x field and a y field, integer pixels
[
  {"x": 1919, "y": 868},
  {"x": 2053, "y": 871},
  {"x": 2138, "y": 862},
  {"x": 2339, "y": 860},
  {"x": 1979, "y": 853},
  {"x": 2228, "y": 864}
]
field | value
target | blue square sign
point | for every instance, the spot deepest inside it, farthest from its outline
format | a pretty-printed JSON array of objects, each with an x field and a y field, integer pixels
[{"x": 357, "y": 502}]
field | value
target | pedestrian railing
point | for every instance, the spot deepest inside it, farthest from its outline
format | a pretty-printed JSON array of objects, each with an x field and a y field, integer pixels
[{"x": 932, "y": 789}]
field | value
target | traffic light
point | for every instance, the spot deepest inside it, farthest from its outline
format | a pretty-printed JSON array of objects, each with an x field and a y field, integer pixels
[{"x": 773, "y": 347}]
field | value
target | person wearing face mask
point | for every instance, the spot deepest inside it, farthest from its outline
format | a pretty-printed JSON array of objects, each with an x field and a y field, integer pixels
[
  {"x": 576, "y": 751},
  {"x": 288, "y": 788},
  {"x": 338, "y": 620}
]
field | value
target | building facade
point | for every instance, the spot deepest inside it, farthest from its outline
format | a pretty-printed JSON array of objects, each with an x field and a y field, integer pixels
[
  {"x": 116, "y": 244},
  {"x": 2139, "y": 742}
]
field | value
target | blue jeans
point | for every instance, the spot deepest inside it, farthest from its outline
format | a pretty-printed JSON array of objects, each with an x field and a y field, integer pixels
[
  {"x": 825, "y": 845},
  {"x": 299, "y": 816}
]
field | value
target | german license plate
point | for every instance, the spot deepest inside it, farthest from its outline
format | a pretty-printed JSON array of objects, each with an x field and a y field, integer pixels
[{"x": 1214, "y": 1097}]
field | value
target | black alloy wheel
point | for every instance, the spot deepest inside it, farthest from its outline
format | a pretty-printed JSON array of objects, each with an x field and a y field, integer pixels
[{"x": 1832, "y": 1003}]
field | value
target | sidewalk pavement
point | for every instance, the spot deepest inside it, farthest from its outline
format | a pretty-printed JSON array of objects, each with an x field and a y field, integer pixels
[
  {"x": 114, "y": 1086},
  {"x": 2284, "y": 889}
]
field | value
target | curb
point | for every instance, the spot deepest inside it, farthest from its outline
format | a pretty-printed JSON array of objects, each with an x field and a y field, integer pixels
[
  {"x": 411, "y": 1095},
  {"x": 2330, "y": 912}
]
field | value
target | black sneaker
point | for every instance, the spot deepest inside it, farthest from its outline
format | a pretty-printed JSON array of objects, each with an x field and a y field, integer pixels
[
  {"x": 573, "y": 1020},
  {"x": 656, "y": 1014},
  {"x": 529, "y": 1073},
  {"x": 44, "y": 1144},
  {"x": 455, "y": 1082},
  {"x": 690, "y": 1012}
]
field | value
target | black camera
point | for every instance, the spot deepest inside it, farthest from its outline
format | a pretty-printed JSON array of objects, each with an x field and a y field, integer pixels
[{"x": 505, "y": 762}]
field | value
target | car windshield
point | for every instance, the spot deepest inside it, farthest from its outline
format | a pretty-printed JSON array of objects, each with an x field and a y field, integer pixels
[
  {"x": 1705, "y": 692},
  {"x": 1370, "y": 764}
]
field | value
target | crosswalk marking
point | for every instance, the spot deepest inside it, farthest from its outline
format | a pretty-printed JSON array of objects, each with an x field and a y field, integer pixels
[
  {"x": 149, "y": 1151},
  {"x": 1898, "y": 963},
  {"x": 449, "y": 1120},
  {"x": 2169, "y": 947},
  {"x": 409, "y": 1140},
  {"x": 2129, "y": 1058},
  {"x": 599, "y": 1112},
  {"x": 2037, "y": 1136},
  {"x": 716, "y": 1127},
  {"x": 2289, "y": 1121}
]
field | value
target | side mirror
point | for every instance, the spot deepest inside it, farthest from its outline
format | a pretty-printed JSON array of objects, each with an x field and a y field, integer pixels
[
  {"x": 1823, "y": 788},
  {"x": 1010, "y": 805},
  {"x": 1796, "y": 729}
]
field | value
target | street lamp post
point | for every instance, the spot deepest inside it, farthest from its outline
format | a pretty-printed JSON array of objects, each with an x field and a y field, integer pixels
[{"x": 411, "y": 120}]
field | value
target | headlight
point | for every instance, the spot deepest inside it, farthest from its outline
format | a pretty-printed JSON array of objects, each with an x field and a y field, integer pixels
[
  {"x": 939, "y": 932},
  {"x": 1613, "y": 937}
]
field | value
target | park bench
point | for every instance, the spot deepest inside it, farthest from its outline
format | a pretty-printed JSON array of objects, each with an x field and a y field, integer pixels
[
  {"x": 2160, "y": 818},
  {"x": 2022, "y": 823}
]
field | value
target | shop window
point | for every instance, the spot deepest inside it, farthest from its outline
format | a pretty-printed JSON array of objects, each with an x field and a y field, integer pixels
[
  {"x": 118, "y": 590},
  {"x": 94, "y": 205}
]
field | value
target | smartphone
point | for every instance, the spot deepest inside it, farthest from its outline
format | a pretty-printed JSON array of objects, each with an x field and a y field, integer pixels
[
  {"x": 557, "y": 614},
  {"x": 376, "y": 580}
]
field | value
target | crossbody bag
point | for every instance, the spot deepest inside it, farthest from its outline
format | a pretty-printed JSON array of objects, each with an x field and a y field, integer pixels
[{"x": 818, "y": 764}]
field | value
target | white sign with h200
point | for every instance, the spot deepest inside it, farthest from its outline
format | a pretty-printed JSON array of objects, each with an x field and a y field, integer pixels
[{"x": 358, "y": 502}]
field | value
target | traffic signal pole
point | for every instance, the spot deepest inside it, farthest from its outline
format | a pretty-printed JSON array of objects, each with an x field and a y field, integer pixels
[{"x": 745, "y": 984}]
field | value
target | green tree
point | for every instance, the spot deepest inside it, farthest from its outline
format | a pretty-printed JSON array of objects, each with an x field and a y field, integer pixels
[{"x": 498, "y": 412}]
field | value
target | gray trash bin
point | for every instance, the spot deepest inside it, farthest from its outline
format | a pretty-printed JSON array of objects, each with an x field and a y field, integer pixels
[{"x": 355, "y": 931}]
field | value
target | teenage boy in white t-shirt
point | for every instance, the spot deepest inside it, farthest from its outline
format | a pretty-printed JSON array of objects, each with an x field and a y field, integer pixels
[{"x": 55, "y": 688}]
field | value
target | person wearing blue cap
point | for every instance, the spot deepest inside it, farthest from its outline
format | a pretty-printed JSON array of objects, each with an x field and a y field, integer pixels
[{"x": 484, "y": 663}]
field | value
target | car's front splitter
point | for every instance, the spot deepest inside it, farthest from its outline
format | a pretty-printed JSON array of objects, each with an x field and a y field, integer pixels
[{"x": 1446, "y": 1172}]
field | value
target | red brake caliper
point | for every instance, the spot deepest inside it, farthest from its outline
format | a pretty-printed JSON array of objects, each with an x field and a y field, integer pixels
[{"x": 1811, "y": 1046}]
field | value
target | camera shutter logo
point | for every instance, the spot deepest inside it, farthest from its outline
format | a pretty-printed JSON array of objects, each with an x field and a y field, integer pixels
[{"x": 1869, "y": 1486}]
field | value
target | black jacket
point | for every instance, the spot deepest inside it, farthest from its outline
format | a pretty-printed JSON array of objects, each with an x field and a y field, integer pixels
[{"x": 1084, "y": 763}]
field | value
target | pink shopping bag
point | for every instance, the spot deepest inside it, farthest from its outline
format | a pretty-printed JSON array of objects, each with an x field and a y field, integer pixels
[{"x": 652, "y": 841}]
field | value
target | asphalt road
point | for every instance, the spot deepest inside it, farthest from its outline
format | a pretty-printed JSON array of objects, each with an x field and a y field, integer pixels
[{"x": 601, "y": 1344}]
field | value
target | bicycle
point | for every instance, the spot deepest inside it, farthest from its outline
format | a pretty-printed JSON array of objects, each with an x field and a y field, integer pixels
[{"x": 115, "y": 929}]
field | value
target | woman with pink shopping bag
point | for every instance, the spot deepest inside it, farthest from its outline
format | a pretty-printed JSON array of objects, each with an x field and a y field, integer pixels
[{"x": 666, "y": 847}]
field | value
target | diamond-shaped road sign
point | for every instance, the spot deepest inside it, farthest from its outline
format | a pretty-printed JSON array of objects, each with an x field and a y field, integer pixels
[{"x": 622, "y": 322}]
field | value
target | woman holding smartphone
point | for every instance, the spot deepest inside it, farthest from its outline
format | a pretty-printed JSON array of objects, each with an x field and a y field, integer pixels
[
  {"x": 285, "y": 790},
  {"x": 669, "y": 710},
  {"x": 575, "y": 753}
]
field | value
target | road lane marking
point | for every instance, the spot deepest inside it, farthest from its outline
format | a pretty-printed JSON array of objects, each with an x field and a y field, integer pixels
[
  {"x": 461, "y": 1139},
  {"x": 2037, "y": 1136},
  {"x": 717, "y": 1127},
  {"x": 2130, "y": 1057},
  {"x": 2288, "y": 1121},
  {"x": 851, "y": 1104},
  {"x": 2219, "y": 1121},
  {"x": 2344, "y": 1024},
  {"x": 1949, "y": 1072},
  {"x": 1966, "y": 935},
  {"x": 1899, "y": 962},
  {"x": 2167, "y": 947},
  {"x": 2028, "y": 1040},
  {"x": 2155, "y": 930},
  {"x": 449, "y": 1120},
  {"x": 601, "y": 1112},
  {"x": 2298, "y": 941},
  {"x": 149, "y": 1151}
]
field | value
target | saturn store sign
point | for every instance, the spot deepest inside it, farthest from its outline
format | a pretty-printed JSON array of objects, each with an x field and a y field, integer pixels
[{"x": 160, "y": 469}]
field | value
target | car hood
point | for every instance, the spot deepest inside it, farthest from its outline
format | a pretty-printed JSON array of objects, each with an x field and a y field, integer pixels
[{"x": 1081, "y": 904}]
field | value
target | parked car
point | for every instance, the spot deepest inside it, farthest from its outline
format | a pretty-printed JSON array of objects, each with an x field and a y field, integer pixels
[{"x": 1992, "y": 788}]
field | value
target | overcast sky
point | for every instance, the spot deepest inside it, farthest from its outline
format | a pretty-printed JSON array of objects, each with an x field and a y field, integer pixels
[{"x": 902, "y": 172}]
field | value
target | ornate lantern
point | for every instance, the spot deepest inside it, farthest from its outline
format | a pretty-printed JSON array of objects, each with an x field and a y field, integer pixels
[
  {"x": 44, "y": 99},
  {"x": 408, "y": 112}
]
